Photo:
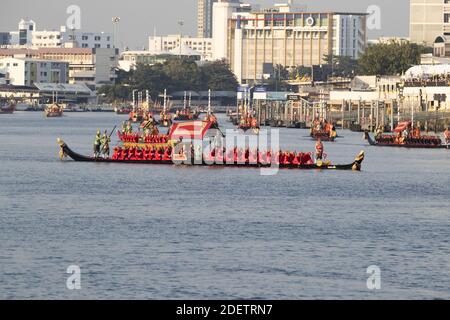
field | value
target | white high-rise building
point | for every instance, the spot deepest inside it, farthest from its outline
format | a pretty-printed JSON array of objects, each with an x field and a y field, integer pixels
[
  {"x": 167, "y": 44},
  {"x": 28, "y": 37},
  {"x": 222, "y": 13},
  {"x": 205, "y": 16}
]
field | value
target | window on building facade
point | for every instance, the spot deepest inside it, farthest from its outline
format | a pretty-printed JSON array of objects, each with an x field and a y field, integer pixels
[
  {"x": 290, "y": 20},
  {"x": 278, "y": 20},
  {"x": 268, "y": 20},
  {"x": 446, "y": 17}
]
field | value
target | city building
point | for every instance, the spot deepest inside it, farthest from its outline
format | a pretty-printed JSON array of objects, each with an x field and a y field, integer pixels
[
  {"x": 4, "y": 38},
  {"x": 26, "y": 71},
  {"x": 79, "y": 39},
  {"x": 205, "y": 17},
  {"x": 441, "y": 52},
  {"x": 367, "y": 89},
  {"x": 222, "y": 13},
  {"x": 129, "y": 59},
  {"x": 94, "y": 67},
  {"x": 254, "y": 41},
  {"x": 28, "y": 36},
  {"x": 203, "y": 46},
  {"x": 204, "y": 24},
  {"x": 2, "y": 78},
  {"x": 40, "y": 94},
  {"x": 429, "y": 19}
]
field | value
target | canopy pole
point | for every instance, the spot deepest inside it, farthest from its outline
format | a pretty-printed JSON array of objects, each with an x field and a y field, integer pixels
[
  {"x": 209, "y": 101},
  {"x": 165, "y": 98}
]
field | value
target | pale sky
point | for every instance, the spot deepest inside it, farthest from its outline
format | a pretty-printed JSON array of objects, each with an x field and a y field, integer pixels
[{"x": 140, "y": 18}]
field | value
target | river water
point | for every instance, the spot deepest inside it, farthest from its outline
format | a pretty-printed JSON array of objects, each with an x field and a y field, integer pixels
[{"x": 163, "y": 232}]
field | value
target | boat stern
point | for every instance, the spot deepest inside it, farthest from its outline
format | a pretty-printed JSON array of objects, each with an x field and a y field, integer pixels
[
  {"x": 62, "y": 148},
  {"x": 358, "y": 161}
]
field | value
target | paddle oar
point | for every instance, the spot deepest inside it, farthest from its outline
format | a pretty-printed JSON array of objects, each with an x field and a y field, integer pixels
[
  {"x": 114, "y": 129},
  {"x": 223, "y": 135}
]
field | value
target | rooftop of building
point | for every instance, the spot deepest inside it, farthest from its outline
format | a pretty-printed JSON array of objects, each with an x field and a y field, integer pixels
[
  {"x": 142, "y": 53},
  {"x": 45, "y": 50},
  {"x": 184, "y": 50},
  {"x": 50, "y": 50},
  {"x": 63, "y": 87},
  {"x": 307, "y": 12},
  {"x": 27, "y": 59}
]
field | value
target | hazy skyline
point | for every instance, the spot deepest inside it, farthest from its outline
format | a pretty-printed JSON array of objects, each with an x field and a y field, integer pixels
[{"x": 140, "y": 19}]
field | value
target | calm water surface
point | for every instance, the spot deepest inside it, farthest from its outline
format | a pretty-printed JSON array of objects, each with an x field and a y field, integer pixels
[{"x": 158, "y": 232}]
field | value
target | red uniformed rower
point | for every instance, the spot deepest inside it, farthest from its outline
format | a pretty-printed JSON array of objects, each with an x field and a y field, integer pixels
[
  {"x": 447, "y": 136},
  {"x": 319, "y": 149}
]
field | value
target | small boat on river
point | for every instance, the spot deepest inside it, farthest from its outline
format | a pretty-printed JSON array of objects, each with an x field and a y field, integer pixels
[
  {"x": 8, "y": 108},
  {"x": 186, "y": 114},
  {"x": 54, "y": 111},
  {"x": 323, "y": 130}
]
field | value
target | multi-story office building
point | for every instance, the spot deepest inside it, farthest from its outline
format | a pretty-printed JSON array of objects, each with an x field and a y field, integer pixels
[
  {"x": 23, "y": 71},
  {"x": 130, "y": 59},
  {"x": 28, "y": 36},
  {"x": 205, "y": 16},
  {"x": 255, "y": 41},
  {"x": 94, "y": 67},
  {"x": 204, "y": 25},
  {"x": 429, "y": 19},
  {"x": 222, "y": 13},
  {"x": 166, "y": 44},
  {"x": 5, "y": 38}
]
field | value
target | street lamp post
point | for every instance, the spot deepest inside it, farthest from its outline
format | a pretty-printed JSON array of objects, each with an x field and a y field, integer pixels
[
  {"x": 181, "y": 24},
  {"x": 115, "y": 21}
]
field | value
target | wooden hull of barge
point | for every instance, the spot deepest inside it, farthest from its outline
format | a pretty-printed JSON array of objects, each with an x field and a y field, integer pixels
[
  {"x": 355, "y": 166},
  {"x": 325, "y": 138},
  {"x": 54, "y": 114}
]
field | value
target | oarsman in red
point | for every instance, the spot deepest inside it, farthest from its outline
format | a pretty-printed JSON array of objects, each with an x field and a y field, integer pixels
[
  {"x": 319, "y": 149},
  {"x": 447, "y": 136}
]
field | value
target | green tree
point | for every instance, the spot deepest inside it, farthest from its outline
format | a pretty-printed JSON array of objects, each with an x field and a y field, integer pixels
[
  {"x": 341, "y": 66},
  {"x": 218, "y": 76},
  {"x": 184, "y": 74},
  {"x": 123, "y": 77},
  {"x": 391, "y": 58},
  {"x": 117, "y": 92},
  {"x": 174, "y": 75}
]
